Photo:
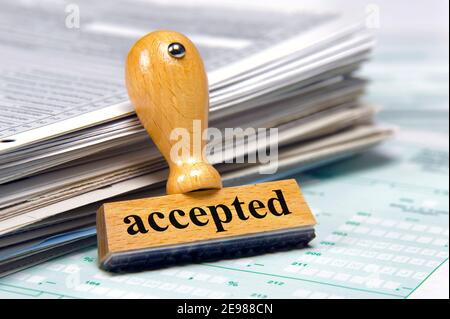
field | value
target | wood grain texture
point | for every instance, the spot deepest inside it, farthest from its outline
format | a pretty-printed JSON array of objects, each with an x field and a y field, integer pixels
[
  {"x": 170, "y": 93},
  {"x": 112, "y": 230}
]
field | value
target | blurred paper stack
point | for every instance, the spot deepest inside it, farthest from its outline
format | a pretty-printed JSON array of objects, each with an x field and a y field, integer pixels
[{"x": 69, "y": 139}]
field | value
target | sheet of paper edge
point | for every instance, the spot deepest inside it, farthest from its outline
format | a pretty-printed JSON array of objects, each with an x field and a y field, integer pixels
[
  {"x": 124, "y": 187},
  {"x": 125, "y": 108}
]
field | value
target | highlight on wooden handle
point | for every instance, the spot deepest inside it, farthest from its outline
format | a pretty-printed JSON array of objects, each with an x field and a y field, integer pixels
[{"x": 168, "y": 87}]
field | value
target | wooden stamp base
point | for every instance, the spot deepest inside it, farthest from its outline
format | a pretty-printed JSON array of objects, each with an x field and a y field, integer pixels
[{"x": 206, "y": 225}]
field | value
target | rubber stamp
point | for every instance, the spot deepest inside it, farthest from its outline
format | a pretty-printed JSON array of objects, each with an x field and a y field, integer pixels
[{"x": 197, "y": 220}]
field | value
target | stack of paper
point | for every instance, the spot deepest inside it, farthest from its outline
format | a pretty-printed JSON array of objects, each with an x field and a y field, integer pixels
[{"x": 69, "y": 139}]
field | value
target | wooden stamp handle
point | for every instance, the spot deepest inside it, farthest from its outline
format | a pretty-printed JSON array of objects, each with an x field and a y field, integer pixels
[{"x": 168, "y": 87}]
